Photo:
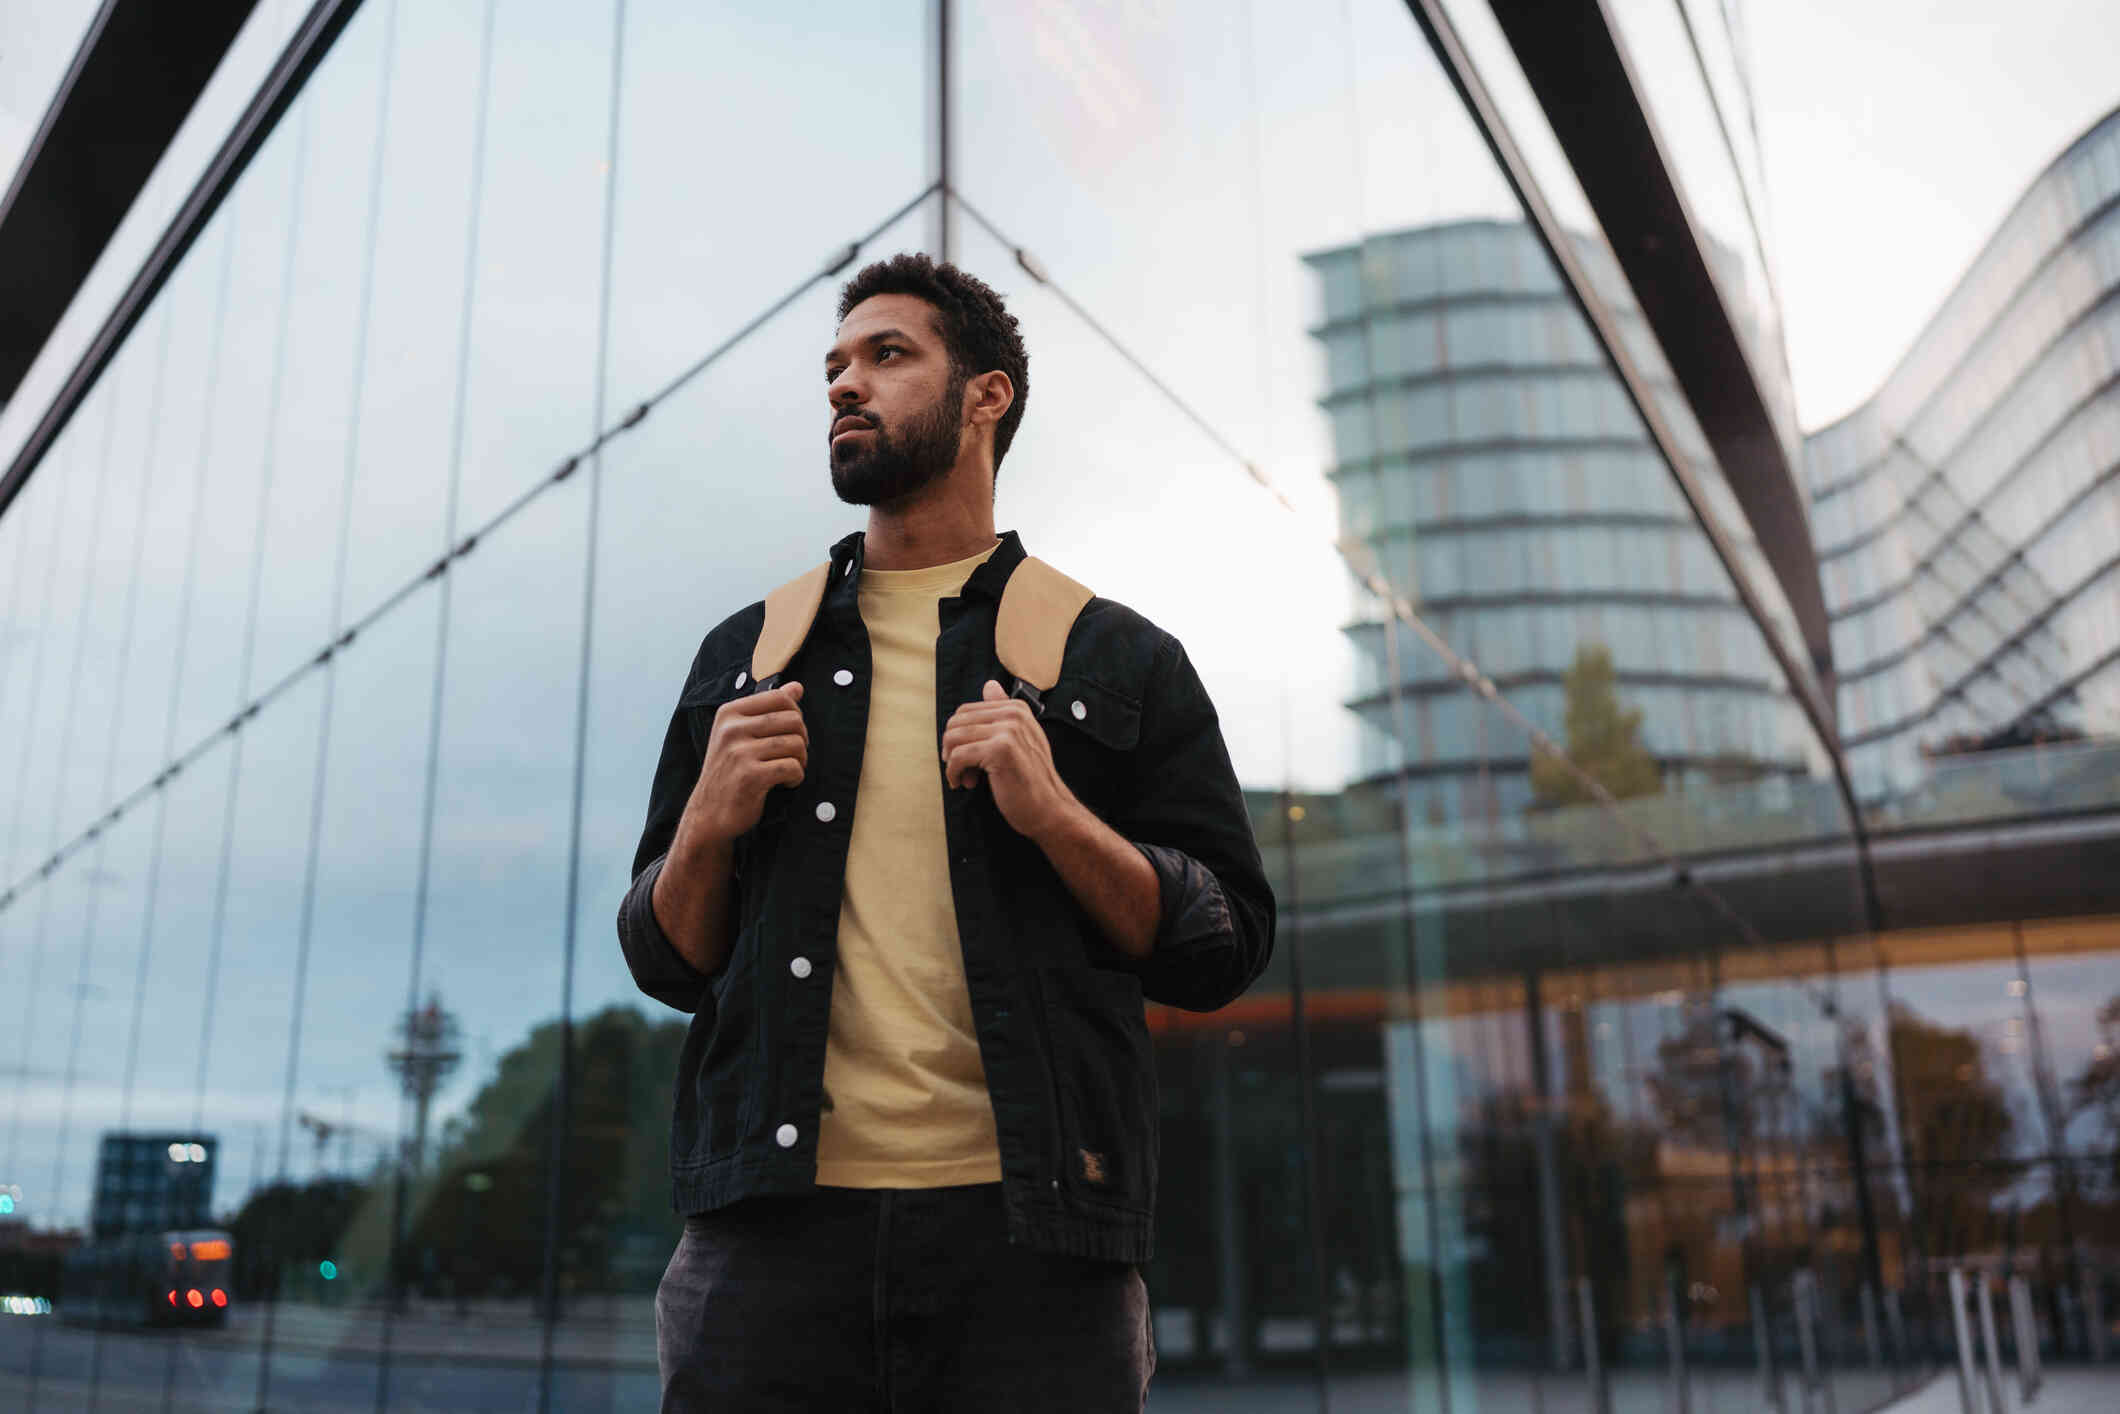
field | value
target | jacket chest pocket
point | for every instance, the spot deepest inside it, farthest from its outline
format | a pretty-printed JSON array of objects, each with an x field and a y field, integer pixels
[{"x": 1093, "y": 731}]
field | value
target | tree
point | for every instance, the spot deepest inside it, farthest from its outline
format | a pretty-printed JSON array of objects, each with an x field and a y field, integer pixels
[
  {"x": 1956, "y": 1126},
  {"x": 1603, "y": 738},
  {"x": 2098, "y": 1086},
  {"x": 481, "y": 1217}
]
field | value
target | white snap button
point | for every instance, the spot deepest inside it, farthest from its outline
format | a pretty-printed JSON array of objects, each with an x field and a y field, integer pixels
[
  {"x": 825, "y": 811},
  {"x": 800, "y": 967},
  {"x": 1079, "y": 710},
  {"x": 742, "y": 678},
  {"x": 849, "y": 569},
  {"x": 785, "y": 1136},
  {"x": 843, "y": 677}
]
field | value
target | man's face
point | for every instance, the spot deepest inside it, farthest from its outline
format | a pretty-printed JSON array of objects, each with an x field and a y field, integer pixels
[{"x": 897, "y": 414}]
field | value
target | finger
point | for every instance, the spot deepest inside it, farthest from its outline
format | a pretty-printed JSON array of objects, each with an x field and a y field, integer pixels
[
  {"x": 966, "y": 759},
  {"x": 775, "y": 748},
  {"x": 992, "y": 711},
  {"x": 965, "y": 733},
  {"x": 784, "y": 698},
  {"x": 769, "y": 724},
  {"x": 784, "y": 772}
]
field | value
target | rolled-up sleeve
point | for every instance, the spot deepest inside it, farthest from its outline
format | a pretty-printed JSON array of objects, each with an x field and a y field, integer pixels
[
  {"x": 658, "y": 968},
  {"x": 1187, "y": 818}
]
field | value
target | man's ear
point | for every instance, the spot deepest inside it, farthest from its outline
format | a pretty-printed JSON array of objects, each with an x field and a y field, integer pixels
[{"x": 988, "y": 397}]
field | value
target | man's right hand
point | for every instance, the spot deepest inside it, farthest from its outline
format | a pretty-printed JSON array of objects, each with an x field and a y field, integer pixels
[{"x": 756, "y": 743}]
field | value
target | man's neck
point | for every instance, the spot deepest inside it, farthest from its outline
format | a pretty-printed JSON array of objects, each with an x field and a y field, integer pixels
[{"x": 955, "y": 523}]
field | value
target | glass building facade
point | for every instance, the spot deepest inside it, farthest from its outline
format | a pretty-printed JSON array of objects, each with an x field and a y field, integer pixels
[
  {"x": 1608, "y": 1054},
  {"x": 1966, "y": 515},
  {"x": 1488, "y": 458}
]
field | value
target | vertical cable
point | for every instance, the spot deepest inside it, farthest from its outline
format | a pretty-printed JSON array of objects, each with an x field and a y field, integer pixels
[
  {"x": 64, "y": 760},
  {"x": 1411, "y": 941},
  {"x": 129, "y": 619},
  {"x": 56, "y": 502},
  {"x": 169, "y": 739},
  {"x": 217, "y": 927},
  {"x": 1312, "y": 1147},
  {"x": 563, "y": 1089},
  {"x": 62, "y": 506},
  {"x": 320, "y": 770},
  {"x": 246, "y": 662},
  {"x": 438, "y": 694},
  {"x": 944, "y": 114},
  {"x": 38, "y": 947}
]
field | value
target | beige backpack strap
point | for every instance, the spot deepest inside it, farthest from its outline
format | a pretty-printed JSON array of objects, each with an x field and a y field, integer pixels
[
  {"x": 790, "y": 610},
  {"x": 1038, "y": 608}
]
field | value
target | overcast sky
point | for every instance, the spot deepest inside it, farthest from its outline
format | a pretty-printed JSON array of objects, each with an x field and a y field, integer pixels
[{"x": 1897, "y": 134}]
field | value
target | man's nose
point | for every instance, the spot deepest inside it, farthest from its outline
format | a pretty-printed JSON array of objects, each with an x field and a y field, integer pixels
[{"x": 847, "y": 390}]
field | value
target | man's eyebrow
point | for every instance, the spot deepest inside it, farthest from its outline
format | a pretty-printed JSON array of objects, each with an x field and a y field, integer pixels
[{"x": 879, "y": 336}]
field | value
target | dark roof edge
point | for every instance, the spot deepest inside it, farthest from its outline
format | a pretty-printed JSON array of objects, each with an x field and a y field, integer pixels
[{"x": 312, "y": 39}]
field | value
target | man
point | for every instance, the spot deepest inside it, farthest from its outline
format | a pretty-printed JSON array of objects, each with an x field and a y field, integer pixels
[{"x": 915, "y": 920}]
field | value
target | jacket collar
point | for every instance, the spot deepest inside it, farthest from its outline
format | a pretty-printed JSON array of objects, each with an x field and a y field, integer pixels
[{"x": 986, "y": 582}]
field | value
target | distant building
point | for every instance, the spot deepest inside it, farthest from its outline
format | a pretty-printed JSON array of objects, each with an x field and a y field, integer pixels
[
  {"x": 1487, "y": 455},
  {"x": 1967, "y": 516},
  {"x": 153, "y": 1182}
]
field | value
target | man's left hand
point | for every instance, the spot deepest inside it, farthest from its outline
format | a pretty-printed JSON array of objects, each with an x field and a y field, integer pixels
[{"x": 999, "y": 739}]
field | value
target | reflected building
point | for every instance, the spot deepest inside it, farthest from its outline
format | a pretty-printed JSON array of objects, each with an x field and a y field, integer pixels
[
  {"x": 1967, "y": 513},
  {"x": 153, "y": 1182},
  {"x": 1487, "y": 455}
]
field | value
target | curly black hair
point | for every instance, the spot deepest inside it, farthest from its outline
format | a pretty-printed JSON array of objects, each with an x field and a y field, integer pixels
[{"x": 976, "y": 327}]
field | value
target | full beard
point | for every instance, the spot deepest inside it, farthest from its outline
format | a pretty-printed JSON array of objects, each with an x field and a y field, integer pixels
[{"x": 889, "y": 467}]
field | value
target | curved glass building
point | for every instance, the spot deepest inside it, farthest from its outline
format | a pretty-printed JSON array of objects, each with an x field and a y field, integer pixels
[
  {"x": 1967, "y": 515},
  {"x": 1489, "y": 458}
]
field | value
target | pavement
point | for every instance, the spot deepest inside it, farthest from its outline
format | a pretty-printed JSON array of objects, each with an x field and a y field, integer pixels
[
  {"x": 435, "y": 1358},
  {"x": 2064, "y": 1391}
]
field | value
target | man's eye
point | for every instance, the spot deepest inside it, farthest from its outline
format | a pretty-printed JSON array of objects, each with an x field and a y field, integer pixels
[{"x": 886, "y": 350}]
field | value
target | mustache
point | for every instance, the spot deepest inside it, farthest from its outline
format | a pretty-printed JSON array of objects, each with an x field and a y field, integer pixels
[{"x": 868, "y": 420}]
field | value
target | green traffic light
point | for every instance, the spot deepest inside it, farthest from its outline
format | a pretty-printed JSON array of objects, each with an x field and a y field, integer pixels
[
  {"x": 7, "y": 1204},
  {"x": 328, "y": 1269}
]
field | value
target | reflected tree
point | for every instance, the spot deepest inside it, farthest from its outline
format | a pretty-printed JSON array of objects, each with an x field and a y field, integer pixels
[
  {"x": 284, "y": 1231},
  {"x": 1956, "y": 1127},
  {"x": 2097, "y": 1089},
  {"x": 1603, "y": 738},
  {"x": 479, "y": 1225}
]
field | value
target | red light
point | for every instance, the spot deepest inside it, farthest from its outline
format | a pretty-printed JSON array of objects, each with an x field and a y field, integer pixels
[
  {"x": 220, "y": 1297},
  {"x": 195, "y": 1298},
  {"x": 172, "y": 1298},
  {"x": 176, "y": 1251},
  {"x": 216, "y": 1251}
]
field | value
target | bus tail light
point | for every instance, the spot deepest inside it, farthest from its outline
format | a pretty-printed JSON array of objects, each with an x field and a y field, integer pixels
[
  {"x": 195, "y": 1297},
  {"x": 220, "y": 1297}
]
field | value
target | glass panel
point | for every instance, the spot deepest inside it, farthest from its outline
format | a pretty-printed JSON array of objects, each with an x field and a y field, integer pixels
[
  {"x": 529, "y": 390},
  {"x": 247, "y": 251},
  {"x": 247, "y": 1009},
  {"x": 489, "y": 978},
  {"x": 311, "y": 406},
  {"x": 338, "y": 1172}
]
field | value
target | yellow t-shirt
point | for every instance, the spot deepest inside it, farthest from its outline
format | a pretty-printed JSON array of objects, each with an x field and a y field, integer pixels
[{"x": 905, "y": 1091}]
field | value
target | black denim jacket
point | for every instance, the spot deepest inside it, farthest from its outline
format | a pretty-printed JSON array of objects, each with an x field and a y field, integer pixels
[{"x": 1057, "y": 1007}]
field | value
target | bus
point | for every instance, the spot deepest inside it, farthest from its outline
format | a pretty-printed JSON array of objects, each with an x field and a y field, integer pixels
[{"x": 149, "y": 1279}]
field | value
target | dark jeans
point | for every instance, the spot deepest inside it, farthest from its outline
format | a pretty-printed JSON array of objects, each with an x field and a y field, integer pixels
[{"x": 892, "y": 1300}]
